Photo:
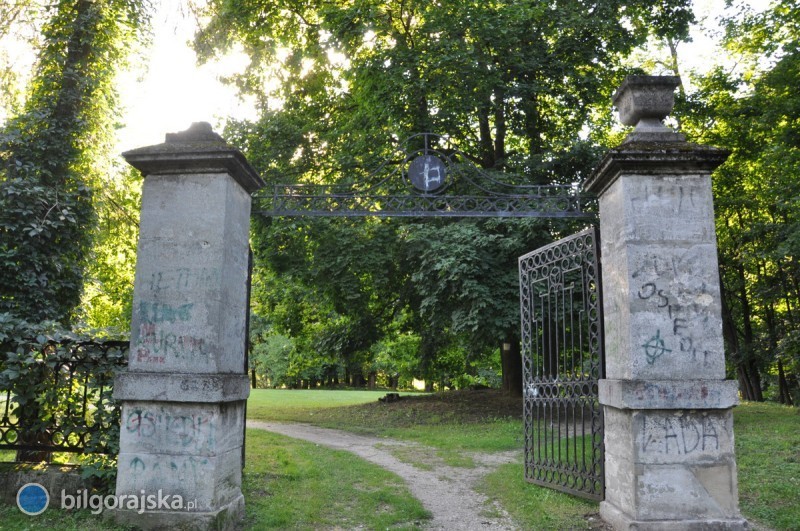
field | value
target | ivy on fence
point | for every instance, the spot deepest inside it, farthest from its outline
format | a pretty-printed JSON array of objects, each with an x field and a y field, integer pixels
[{"x": 56, "y": 387}]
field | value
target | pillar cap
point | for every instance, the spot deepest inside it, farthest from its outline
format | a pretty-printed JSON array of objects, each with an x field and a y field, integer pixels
[
  {"x": 652, "y": 148},
  {"x": 653, "y": 158},
  {"x": 197, "y": 150}
]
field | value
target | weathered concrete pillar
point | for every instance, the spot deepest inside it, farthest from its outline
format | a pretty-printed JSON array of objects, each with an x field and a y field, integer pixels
[
  {"x": 183, "y": 395},
  {"x": 668, "y": 408}
]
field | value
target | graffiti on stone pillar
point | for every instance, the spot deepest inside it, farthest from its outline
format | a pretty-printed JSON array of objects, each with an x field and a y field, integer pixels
[
  {"x": 679, "y": 434},
  {"x": 679, "y": 337}
]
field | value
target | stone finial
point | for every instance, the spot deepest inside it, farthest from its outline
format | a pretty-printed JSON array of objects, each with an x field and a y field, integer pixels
[
  {"x": 643, "y": 102},
  {"x": 197, "y": 132}
]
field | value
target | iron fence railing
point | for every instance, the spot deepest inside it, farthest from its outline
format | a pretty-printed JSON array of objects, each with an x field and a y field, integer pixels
[{"x": 57, "y": 397}]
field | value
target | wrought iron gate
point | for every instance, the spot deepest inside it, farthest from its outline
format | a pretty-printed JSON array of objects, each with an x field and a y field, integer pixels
[{"x": 562, "y": 350}]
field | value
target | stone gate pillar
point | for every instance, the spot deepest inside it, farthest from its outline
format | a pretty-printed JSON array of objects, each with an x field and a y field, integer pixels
[
  {"x": 668, "y": 408},
  {"x": 183, "y": 395}
]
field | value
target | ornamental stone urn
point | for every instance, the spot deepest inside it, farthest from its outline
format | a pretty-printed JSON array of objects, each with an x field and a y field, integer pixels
[{"x": 643, "y": 102}]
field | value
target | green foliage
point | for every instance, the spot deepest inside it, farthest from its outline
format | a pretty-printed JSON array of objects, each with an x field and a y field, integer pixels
[
  {"x": 51, "y": 156},
  {"x": 271, "y": 358},
  {"x": 341, "y": 83},
  {"x": 109, "y": 271},
  {"x": 396, "y": 358},
  {"x": 49, "y": 372},
  {"x": 42, "y": 247},
  {"x": 510, "y": 81},
  {"x": 755, "y": 112}
]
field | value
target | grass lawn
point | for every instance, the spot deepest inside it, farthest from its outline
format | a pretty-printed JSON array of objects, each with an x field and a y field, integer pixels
[
  {"x": 298, "y": 485},
  {"x": 304, "y": 405},
  {"x": 288, "y": 484},
  {"x": 767, "y": 448},
  {"x": 454, "y": 423},
  {"x": 302, "y": 486},
  {"x": 12, "y": 519},
  {"x": 768, "y": 457}
]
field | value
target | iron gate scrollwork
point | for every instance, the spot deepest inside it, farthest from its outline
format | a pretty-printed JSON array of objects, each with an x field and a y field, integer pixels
[{"x": 562, "y": 349}]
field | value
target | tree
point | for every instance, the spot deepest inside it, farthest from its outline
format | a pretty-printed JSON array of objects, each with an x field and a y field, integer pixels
[
  {"x": 109, "y": 272},
  {"x": 340, "y": 83},
  {"x": 51, "y": 154},
  {"x": 755, "y": 112}
]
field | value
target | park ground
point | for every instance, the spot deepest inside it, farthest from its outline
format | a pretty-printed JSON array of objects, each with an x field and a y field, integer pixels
[{"x": 294, "y": 484}]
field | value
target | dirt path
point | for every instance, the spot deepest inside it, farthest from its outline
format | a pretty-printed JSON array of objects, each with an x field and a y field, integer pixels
[{"x": 447, "y": 492}]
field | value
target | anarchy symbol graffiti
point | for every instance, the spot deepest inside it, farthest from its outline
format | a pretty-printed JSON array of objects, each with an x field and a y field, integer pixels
[{"x": 655, "y": 348}]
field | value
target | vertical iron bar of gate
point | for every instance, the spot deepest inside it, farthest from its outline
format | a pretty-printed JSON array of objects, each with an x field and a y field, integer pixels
[
  {"x": 247, "y": 342},
  {"x": 562, "y": 349}
]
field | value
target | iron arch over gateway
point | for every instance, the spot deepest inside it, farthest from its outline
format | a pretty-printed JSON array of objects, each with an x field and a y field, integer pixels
[{"x": 427, "y": 176}]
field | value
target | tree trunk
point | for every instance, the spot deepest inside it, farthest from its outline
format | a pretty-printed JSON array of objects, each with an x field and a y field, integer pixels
[
  {"x": 75, "y": 84},
  {"x": 752, "y": 372},
  {"x": 731, "y": 339},
  {"x": 500, "y": 128},
  {"x": 674, "y": 66},
  {"x": 511, "y": 362},
  {"x": 744, "y": 382},
  {"x": 485, "y": 131},
  {"x": 783, "y": 386},
  {"x": 755, "y": 380}
]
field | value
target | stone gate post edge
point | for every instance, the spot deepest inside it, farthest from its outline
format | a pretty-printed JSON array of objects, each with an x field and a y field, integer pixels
[
  {"x": 670, "y": 461},
  {"x": 184, "y": 393}
]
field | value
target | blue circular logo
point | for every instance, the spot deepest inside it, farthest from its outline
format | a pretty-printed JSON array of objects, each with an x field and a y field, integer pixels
[{"x": 32, "y": 499}]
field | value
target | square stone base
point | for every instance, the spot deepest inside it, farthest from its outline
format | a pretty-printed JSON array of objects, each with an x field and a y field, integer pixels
[
  {"x": 183, "y": 452},
  {"x": 622, "y": 522},
  {"x": 224, "y": 518},
  {"x": 670, "y": 469}
]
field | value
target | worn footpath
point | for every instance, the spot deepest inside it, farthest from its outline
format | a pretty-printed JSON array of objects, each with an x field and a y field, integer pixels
[{"x": 446, "y": 491}]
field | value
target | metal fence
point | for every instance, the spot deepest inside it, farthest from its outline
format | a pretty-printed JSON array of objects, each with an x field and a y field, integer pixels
[{"x": 56, "y": 397}]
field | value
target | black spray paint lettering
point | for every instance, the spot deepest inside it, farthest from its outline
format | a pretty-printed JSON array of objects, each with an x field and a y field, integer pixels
[
  {"x": 656, "y": 347},
  {"x": 649, "y": 290}
]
